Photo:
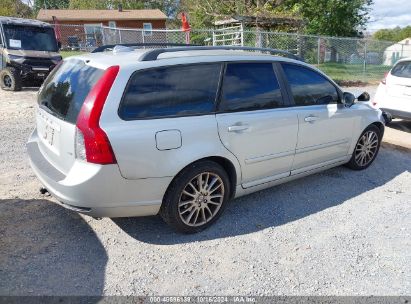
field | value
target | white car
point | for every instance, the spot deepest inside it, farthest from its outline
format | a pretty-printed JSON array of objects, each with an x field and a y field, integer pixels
[
  {"x": 394, "y": 92},
  {"x": 180, "y": 131}
]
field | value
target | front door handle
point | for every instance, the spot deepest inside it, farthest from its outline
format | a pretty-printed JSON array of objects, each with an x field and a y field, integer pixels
[
  {"x": 310, "y": 118},
  {"x": 237, "y": 128}
]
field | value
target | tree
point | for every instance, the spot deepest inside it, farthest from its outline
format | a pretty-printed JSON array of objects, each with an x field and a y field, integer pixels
[
  {"x": 203, "y": 13},
  {"x": 340, "y": 18},
  {"x": 50, "y": 4},
  {"x": 167, "y": 6},
  {"x": 15, "y": 8},
  {"x": 345, "y": 18},
  {"x": 395, "y": 34}
]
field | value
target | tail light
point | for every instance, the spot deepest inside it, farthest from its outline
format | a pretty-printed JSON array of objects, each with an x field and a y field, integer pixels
[
  {"x": 384, "y": 80},
  {"x": 92, "y": 143}
]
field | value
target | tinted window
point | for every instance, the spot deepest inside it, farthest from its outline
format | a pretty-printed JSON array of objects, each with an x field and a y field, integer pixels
[
  {"x": 171, "y": 91},
  {"x": 250, "y": 86},
  {"x": 402, "y": 69},
  {"x": 309, "y": 87},
  {"x": 67, "y": 86}
]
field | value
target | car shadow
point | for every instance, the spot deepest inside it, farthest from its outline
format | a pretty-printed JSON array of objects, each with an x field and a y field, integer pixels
[
  {"x": 30, "y": 89},
  {"x": 401, "y": 125},
  {"x": 278, "y": 205},
  {"x": 48, "y": 250}
]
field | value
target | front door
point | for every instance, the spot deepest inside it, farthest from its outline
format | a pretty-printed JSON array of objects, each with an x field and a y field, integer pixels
[
  {"x": 325, "y": 125},
  {"x": 254, "y": 124}
]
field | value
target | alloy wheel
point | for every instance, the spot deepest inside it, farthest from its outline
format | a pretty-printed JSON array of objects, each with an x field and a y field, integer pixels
[
  {"x": 201, "y": 199},
  {"x": 366, "y": 148}
]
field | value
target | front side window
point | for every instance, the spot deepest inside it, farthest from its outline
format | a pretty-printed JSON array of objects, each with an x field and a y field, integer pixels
[
  {"x": 171, "y": 91},
  {"x": 309, "y": 87},
  {"x": 250, "y": 86}
]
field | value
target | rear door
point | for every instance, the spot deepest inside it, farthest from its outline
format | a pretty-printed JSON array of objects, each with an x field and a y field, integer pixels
[
  {"x": 398, "y": 86},
  {"x": 325, "y": 124},
  {"x": 166, "y": 120},
  {"x": 254, "y": 123},
  {"x": 60, "y": 100}
]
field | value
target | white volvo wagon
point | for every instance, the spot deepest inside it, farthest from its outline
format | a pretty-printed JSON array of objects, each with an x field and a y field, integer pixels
[{"x": 181, "y": 131}]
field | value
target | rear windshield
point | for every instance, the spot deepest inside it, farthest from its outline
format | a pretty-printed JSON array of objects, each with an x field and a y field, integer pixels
[
  {"x": 65, "y": 89},
  {"x": 402, "y": 69}
]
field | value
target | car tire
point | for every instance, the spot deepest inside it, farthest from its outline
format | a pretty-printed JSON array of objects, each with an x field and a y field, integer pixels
[
  {"x": 10, "y": 79},
  {"x": 366, "y": 148},
  {"x": 196, "y": 197}
]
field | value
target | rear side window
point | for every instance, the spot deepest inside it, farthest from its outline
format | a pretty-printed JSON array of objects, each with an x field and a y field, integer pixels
[
  {"x": 65, "y": 89},
  {"x": 309, "y": 87},
  {"x": 402, "y": 69},
  {"x": 171, "y": 91},
  {"x": 250, "y": 86}
]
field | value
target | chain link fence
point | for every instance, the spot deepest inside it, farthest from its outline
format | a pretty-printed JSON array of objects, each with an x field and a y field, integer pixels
[{"x": 346, "y": 60}]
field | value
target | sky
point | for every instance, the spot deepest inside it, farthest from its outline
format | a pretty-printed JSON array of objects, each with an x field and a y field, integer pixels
[
  {"x": 384, "y": 14},
  {"x": 389, "y": 14}
]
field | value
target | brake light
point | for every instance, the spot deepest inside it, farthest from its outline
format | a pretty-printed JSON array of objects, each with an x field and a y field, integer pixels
[
  {"x": 384, "y": 80},
  {"x": 96, "y": 146}
]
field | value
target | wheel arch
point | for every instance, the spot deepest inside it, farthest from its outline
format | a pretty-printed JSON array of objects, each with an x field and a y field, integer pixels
[
  {"x": 227, "y": 165},
  {"x": 380, "y": 126}
]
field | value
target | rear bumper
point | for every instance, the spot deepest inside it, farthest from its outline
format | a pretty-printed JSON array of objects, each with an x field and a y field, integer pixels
[{"x": 97, "y": 190}]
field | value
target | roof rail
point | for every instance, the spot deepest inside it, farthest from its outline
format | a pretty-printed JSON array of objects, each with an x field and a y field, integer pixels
[
  {"x": 153, "y": 54},
  {"x": 159, "y": 44}
]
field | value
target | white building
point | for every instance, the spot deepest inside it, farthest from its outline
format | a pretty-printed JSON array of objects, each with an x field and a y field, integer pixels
[{"x": 397, "y": 51}]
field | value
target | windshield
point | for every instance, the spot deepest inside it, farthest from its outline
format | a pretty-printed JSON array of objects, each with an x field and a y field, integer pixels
[{"x": 23, "y": 37}]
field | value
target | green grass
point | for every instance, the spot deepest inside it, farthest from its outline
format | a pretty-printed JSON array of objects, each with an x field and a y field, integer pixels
[
  {"x": 354, "y": 72},
  {"x": 66, "y": 54}
]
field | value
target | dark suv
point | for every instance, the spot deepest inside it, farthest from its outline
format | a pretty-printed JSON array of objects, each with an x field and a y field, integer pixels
[{"x": 28, "y": 52}]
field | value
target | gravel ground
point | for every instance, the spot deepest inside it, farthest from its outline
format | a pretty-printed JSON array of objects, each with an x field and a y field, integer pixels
[{"x": 339, "y": 232}]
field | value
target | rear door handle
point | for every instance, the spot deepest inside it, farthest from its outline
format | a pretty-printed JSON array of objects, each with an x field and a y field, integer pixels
[
  {"x": 310, "y": 118},
  {"x": 237, "y": 128}
]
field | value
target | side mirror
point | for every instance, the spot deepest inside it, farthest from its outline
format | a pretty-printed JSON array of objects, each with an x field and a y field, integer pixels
[
  {"x": 364, "y": 97},
  {"x": 348, "y": 99},
  {"x": 59, "y": 44}
]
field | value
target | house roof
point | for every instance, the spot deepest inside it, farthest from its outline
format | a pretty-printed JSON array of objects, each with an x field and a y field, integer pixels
[
  {"x": 400, "y": 45},
  {"x": 103, "y": 15}
]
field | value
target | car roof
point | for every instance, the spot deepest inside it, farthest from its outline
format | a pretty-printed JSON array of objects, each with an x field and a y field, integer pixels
[
  {"x": 404, "y": 59},
  {"x": 22, "y": 21},
  {"x": 133, "y": 58}
]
